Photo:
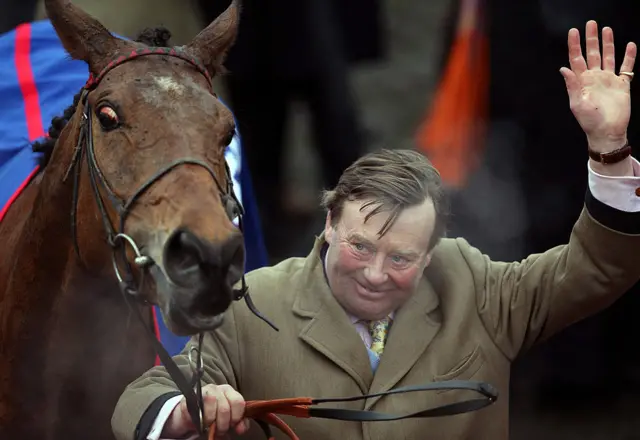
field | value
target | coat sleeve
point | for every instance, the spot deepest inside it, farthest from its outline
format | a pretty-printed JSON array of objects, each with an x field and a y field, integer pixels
[
  {"x": 220, "y": 358},
  {"x": 522, "y": 303}
]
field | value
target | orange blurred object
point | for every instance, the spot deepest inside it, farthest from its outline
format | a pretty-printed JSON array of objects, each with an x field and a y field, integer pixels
[{"x": 452, "y": 133}]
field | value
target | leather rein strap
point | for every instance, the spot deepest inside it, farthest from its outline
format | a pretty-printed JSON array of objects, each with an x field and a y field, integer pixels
[{"x": 264, "y": 412}]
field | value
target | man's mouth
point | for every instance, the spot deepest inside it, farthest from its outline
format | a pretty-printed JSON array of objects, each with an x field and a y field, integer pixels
[{"x": 367, "y": 291}]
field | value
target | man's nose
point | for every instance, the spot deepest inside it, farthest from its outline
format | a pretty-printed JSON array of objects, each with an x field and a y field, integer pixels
[{"x": 375, "y": 273}]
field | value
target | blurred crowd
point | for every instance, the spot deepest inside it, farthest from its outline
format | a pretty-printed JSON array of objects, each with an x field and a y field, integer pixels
[{"x": 522, "y": 196}]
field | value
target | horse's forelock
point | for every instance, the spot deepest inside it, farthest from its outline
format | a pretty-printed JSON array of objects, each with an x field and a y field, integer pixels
[{"x": 156, "y": 37}]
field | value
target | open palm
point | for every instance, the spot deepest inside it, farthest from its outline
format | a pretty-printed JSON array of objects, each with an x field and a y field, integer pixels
[{"x": 599, "y": 99}]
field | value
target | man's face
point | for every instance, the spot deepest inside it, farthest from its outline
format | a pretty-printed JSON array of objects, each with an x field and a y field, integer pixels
[{"x": 369, "y": 275}]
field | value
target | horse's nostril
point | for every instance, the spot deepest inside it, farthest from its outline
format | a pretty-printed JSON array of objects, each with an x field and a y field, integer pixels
[
  {"x": 190, "y": 261},
  {"x": 238, "y": 256},
  {"x": 233, "y": 253},
  {"x": 183, "y": 256}
]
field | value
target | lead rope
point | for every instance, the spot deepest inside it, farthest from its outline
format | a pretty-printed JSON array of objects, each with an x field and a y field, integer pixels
[
  {"x": 196, "y": 380},
  {"x": 194, "y": 402},
  {"x": 264, "y": 411}
]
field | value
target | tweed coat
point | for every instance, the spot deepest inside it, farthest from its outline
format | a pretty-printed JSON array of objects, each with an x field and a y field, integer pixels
[{"x": 469, "y": 319}]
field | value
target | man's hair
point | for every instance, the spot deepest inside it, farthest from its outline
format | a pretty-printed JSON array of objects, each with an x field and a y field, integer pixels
[{"x": 390, "y": 181}]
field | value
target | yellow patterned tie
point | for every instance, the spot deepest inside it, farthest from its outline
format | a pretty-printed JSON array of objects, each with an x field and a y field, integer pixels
[{"x": 379, "y": 330}]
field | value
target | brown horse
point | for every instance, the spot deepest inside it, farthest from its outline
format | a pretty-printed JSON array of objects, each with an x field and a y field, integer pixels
[{"x": 139, "y": 165}]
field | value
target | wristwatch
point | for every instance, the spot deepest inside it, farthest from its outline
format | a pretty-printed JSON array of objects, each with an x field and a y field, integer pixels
[{"x": 611, "y": 157}]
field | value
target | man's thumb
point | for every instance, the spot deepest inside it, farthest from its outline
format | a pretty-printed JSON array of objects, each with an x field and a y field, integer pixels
[{"x": 570, "y": 80}]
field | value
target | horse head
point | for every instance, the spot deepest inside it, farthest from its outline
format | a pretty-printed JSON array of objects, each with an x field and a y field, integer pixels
[{"x": 145, "y": 149}]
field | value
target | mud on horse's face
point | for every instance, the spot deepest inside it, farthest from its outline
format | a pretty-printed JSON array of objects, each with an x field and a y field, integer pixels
[{"x": 158, "y": 135}]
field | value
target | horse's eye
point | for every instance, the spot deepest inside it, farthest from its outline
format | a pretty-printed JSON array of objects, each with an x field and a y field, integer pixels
[{"x": 108, "y": 118}]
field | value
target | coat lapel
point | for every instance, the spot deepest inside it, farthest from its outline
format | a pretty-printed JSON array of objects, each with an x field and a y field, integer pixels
[
  {"x": 329, "y": 330},
  {"x": 413, "y": 329}
]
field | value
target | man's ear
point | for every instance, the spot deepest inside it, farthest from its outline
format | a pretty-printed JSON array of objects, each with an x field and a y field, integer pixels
[
  {"x": 328, "y": 227},
  {"x": 427, "y": 259}
]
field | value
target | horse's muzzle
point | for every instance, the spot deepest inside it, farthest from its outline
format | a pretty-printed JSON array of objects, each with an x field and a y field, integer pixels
[{"x": 203, "y": 273}]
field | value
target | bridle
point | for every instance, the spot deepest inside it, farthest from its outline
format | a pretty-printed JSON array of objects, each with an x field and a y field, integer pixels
[
  {"x": 118, "y": 239},
  {"x": 264, "y": 411}
]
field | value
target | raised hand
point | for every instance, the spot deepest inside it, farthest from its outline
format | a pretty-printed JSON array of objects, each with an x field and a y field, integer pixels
[{"x": 599, "y": 98}]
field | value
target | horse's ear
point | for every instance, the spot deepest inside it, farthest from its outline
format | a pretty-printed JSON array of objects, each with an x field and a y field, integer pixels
[
  {"x": 82, "y": 36},
  {"x": 212, "y": 43}
]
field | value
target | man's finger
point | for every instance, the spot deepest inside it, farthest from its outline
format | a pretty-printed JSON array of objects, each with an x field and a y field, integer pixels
[
  {"x": 594, "y": 61},
  {"x": 608, "y": 50},
  {"x": 223, "y": 414},
  {"x": 576, "y": 60},
  {"x": 210, "y": 401},
  {"x": 243, "y": 427},
  {"x": 629, "y": 58},
  {"x": 236, "y": 403}
]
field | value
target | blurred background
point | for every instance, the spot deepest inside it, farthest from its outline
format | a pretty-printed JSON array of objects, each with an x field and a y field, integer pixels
[{"x": 474, "y": 84}]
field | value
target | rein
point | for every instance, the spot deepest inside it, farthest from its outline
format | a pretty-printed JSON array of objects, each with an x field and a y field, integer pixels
[{"x": 264, "y": 412}]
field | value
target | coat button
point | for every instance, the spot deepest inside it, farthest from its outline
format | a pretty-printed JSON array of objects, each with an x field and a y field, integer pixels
[{"x": 638, "y": 192}]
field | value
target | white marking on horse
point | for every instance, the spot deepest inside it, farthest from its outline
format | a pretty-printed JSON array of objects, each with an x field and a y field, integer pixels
[
  {"x": 168, "y": 84},
  {"x": 168, "y": 92}
]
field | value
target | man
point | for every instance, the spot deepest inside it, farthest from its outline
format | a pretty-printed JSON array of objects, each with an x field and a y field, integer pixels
[{"x": 454, "y": 313}]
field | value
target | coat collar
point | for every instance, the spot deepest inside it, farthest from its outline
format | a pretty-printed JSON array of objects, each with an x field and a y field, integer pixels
[{"x": 331, "y": 332}]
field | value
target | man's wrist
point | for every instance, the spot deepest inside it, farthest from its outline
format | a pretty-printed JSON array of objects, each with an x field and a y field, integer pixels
[
  {"x": 176, "y": 427},
  {"x": 155, "y": 417},
  {"x": 606, "y": 144},
  {"x": 617, "y": 156}
]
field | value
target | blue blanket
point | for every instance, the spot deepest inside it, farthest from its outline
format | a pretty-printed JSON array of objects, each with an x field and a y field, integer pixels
[{"x": 38, "y": 80}]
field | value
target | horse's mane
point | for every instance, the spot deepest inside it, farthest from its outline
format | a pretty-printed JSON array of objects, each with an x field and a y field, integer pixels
[{"x": 158, "y": 37}]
